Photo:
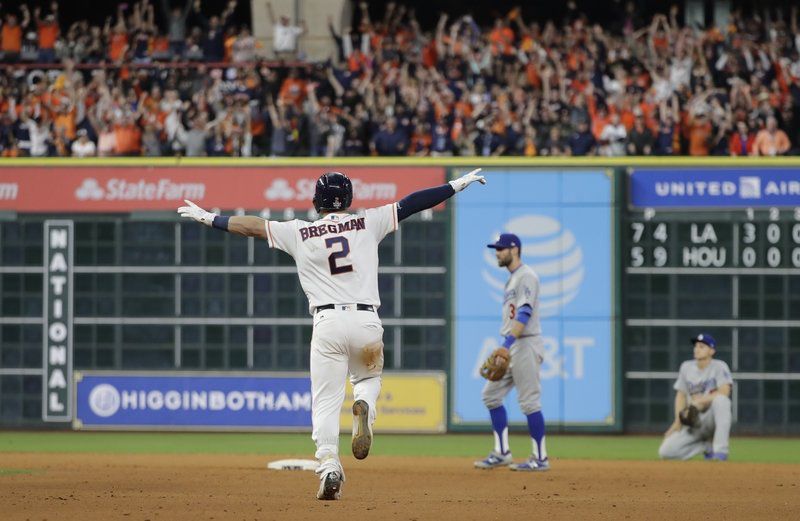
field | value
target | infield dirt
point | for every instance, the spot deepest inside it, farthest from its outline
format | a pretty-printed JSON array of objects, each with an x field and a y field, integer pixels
[{"x": 216, "y": 487}]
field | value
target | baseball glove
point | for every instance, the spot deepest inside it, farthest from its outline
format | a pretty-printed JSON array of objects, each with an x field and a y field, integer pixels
[
  {"x": 495, "y": 367},
  {"x": 689, "y": 416}
]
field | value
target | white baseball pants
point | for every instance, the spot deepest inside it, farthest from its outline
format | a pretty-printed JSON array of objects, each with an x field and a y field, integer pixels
[{"x": 336, "y": 346}]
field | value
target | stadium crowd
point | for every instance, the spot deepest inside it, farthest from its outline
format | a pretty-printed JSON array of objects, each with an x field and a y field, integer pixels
[{"x": 191, "y": 82}]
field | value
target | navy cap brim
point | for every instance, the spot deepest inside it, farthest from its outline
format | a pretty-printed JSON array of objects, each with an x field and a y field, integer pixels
[{"x": 695, "y": 339}]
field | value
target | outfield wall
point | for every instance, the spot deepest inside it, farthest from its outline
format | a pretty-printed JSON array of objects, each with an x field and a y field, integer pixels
[
  {"x": 628, "y": 275},
  {"x": 410, "y": 401}
]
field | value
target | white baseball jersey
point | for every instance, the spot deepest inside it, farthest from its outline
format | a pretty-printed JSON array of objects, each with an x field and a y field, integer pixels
[
  {"x": 693, "y": 380},
  {"x": 522, "y": 288},
  {"x": 337, "y": 255}
]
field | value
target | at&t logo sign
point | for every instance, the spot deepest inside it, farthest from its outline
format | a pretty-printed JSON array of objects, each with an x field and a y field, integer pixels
[{"x": 552, "y": 252}]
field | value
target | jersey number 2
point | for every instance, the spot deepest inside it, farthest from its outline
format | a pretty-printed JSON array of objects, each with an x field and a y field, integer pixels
[{"x": 335, "y": 268}]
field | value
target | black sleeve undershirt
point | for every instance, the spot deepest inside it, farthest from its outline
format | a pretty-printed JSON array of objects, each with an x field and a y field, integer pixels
[{"x": 423, "y": 199}]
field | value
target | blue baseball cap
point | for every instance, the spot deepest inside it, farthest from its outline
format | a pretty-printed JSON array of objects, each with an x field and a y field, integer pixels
[
  {"x": 706, "y": 339},
  {"x": 506, "y": 240}
]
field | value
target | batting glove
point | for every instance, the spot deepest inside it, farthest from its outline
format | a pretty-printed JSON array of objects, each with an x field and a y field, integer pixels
[
  {"x": 467, "y": 179},
  {"x": 195, "y": 212}
]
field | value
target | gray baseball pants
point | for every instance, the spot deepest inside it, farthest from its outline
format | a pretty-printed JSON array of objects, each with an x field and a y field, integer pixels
[
  {"x": 527, "y": 354},
  {"x": 714, "y": 426}
]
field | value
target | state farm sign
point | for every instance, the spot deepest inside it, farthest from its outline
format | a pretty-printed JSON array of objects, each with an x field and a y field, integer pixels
[
  {"x": 125, "y": 189},
  {"x": 116, "y": 189},
  {"x": 9, "y": 191},
  {"x": 303, "y": 190}
]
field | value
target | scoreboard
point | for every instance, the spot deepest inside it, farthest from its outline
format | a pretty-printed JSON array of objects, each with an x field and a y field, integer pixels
[
  {"x": 714, "y": 251},
  {"x": 749, "y": 239}
]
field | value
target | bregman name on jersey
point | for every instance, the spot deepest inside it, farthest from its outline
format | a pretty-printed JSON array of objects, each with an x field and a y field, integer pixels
[{"x": 324, "y": 229}]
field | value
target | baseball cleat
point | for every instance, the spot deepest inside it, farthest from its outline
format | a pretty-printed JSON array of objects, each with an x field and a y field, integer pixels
[
  {"x": 716, "y": 456},
  {"x": 330, "y": 487},
  {"x": 531, "y": 465},
  {"x": 362, "y": 432},
  {"x": 494, "y": 460}
]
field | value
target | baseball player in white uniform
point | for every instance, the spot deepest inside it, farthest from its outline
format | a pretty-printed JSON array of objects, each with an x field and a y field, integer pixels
[
  {"x": 705, "y": 384},
  {"x": 337, "y": 262},
  {"x": 522, "y": 336}
]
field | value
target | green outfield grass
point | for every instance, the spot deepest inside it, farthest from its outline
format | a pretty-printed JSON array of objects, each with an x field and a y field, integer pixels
[{"x": 597, "y": 447}]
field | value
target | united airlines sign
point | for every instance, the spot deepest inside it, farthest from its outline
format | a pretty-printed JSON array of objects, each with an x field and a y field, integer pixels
[{"x": 721, "y": 187}]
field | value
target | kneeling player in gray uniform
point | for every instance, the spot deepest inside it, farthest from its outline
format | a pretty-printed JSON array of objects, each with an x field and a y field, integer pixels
[
  {"x": 522, "y": 335},
  {"x": 703, "y": 384}
]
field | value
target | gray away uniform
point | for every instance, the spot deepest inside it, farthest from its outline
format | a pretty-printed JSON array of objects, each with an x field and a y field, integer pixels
[
  {"x": 714, "y": 427},
  {"x": 527, "y": 352}
]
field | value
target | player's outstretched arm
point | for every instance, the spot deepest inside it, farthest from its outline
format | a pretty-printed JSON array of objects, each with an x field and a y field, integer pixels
[
  {"x": 430, "y": 197},
  {"x": 246, "y": 226}
]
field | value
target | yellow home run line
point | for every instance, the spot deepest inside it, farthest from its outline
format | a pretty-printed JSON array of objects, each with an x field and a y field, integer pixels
[{"x": 517, "y": 162}]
